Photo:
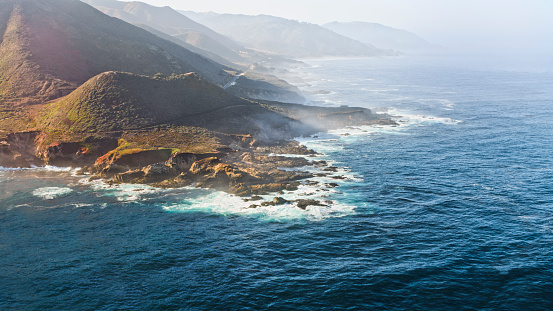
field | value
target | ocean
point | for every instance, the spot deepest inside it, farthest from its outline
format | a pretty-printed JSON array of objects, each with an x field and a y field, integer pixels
[{"x": 450, "y": 210}]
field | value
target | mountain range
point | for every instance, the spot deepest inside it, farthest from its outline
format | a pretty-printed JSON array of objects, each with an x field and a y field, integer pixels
[
  {"x": 51, "y": 47},
  {"x": 277, "y": 35},
  {"x": 181, "y": 28},
  {"x": 380, "y": 35}
]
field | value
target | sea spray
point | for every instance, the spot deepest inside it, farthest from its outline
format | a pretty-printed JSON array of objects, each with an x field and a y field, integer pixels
[{"x": 50, "y": 193}]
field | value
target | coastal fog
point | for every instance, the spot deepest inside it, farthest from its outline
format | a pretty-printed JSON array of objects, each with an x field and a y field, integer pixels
[{"x": 476, "y": 26}]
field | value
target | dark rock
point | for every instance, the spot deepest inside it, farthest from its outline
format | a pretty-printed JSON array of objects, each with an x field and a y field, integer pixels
[
  {"x": 182, "y": 180},
  {"x": 144, "y": 157},
  {"x": 242, "y": 189},
  {"x": 304, "y": 203},
  {"x": 279, "y": 201},
  {"x": 204, "y": 166},
  {"x": 19, "y": 150},
  {"x": 157, "y": 172},
  {"x": 253, "y": 198},
  {"x": 320, "y": 163},
  {"x": 119, "y": 162},
  {"x": 211, "y": 173},
  {"x": 332, "y": 185},
  {"x": 331, "y": 169},
  {"x": 76, "y": 153},
  {"x": 276, "y": 201},
  {"x": 150, "y": 174},
  {"x": 311, "y": 182}
]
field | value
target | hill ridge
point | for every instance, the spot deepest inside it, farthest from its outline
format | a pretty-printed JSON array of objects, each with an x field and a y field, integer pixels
[{"x": 116, "y": 100}]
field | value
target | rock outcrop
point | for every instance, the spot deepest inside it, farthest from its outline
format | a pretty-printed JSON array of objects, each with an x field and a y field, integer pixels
[{"x": 19, "y": 149}]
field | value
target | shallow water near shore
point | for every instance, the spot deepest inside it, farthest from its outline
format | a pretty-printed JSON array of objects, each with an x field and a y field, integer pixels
[{"x": 452, "y": 209}]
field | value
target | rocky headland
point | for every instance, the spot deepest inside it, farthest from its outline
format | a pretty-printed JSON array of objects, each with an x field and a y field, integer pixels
[
  {"x": 174, "y": 156},
  {"x": 81, "y": 89}
]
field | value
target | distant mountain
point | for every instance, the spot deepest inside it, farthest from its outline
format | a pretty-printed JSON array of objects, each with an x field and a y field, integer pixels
[
  {"x": 171, "y": 22},
  {"x": 188, "y": 46},
  {"x": 271, "y": 34},
  {"x": 381, "y": 36}
]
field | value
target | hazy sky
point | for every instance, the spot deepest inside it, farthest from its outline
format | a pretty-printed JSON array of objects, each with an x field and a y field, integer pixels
[{"x": 455, "y": 23}]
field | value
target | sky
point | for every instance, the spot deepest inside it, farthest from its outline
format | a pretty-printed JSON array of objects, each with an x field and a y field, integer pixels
[{"x": 478, "y": 24}]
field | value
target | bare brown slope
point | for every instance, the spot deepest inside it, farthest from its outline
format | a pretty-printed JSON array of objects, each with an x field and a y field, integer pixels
[{"x": 49, "y": 47}]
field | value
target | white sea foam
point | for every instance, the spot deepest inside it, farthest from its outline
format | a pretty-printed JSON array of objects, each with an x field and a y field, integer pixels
[
  {"x": 225, "y": 204},
  {"x": 50, "y": 193},
  {"x": 123, "y": 192},
  {"x": 81, "y": 205},
  {"x": 406, "y": 118},
  {"x": 7, "y": 169},
  {"x": 325, "y": 189},
  {"x": 39, "y": 168}
]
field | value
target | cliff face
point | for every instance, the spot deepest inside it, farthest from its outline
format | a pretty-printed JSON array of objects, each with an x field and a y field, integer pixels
[{"x": 19, "y": 149}]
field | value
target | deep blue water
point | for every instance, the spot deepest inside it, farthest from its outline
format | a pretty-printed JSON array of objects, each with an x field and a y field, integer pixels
[{"x": 453, "y": 210}]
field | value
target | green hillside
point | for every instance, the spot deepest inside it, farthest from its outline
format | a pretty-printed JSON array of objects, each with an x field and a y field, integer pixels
[{"x": 114, "y": 101}]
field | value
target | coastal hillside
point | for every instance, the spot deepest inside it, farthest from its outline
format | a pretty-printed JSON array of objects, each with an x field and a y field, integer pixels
[
  {"x": 114, "y": 101},
  {"x": 272, "y": 34},
  {"x": 50, "y": 47},
  {"x": 381, "y": 36},
  {"x": 117, "y": 101},
  {"x": 173, "y": 26},
  {"x": 171, "y": 22}
]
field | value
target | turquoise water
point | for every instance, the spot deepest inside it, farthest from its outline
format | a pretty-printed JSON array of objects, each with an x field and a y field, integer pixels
[{"x": 451, "y": 210}]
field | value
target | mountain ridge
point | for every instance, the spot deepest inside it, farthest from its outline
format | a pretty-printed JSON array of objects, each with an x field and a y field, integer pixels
[
  {"x": 114, "y": 101},
  {"x": 380, "y": 35},
  {"x": 173, "y": 23},
  {"x": 271, "y": 34}
]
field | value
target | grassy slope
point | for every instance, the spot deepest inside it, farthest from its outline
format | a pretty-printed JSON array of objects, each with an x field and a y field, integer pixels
[{"x": 115, "y": 101}]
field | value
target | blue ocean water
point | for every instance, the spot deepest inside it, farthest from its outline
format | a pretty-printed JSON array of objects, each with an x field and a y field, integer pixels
[{"x": 451, "y": 210}]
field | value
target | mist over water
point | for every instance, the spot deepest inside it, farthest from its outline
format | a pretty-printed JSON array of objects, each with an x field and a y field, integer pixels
[{"x": 451, "y": 209}]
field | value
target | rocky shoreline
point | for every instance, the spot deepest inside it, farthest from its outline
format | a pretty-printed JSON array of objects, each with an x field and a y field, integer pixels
[
  {"x": 240, "y": 165},
  {"x": 249, "y": 173}
]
